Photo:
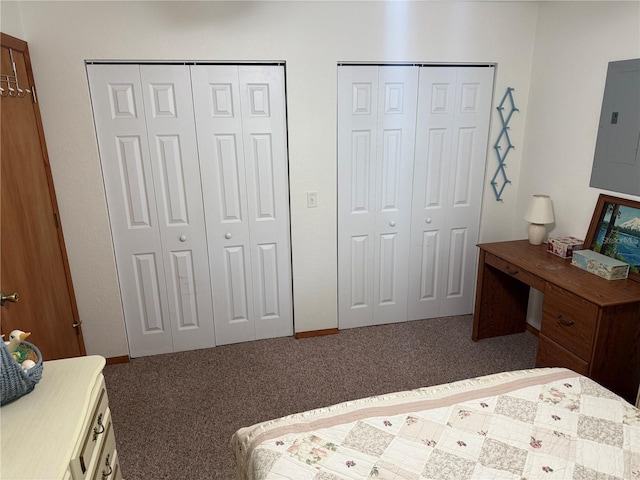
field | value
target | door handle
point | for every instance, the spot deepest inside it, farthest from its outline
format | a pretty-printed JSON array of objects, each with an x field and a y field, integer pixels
[{"x": 4, "y": 298}]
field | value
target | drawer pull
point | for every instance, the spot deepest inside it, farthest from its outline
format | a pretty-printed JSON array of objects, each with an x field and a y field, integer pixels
[
  {"x": 510, "y": 271},
  {"x": 99, "y": 429},
  {"x": 109, "y": 471},
  {"x": 563, "y": 322}
]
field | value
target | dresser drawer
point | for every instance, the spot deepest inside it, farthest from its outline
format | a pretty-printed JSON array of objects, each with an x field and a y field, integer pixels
[
  {"x": 569, "y": 320},
  {"x": 514, "y": 271},
  {"x": 550, "y": 354},
  {"x": 106, "y": 465},
  {"x": 93, "y": 435},
  {"x": 117, "y": 474}
]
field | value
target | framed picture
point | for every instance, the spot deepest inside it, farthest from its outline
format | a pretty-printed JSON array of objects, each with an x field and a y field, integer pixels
[{"x": 615, "y": 231}]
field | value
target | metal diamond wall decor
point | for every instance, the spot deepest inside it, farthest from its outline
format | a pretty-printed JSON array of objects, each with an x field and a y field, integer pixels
[{"x": 503, "y": 144}]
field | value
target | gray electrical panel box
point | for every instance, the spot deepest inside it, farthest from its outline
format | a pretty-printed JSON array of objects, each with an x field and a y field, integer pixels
[{"x": 616, "y": 163}]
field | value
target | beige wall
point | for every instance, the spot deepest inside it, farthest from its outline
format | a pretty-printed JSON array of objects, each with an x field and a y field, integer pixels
[
  {"x": 574, "y": 42},
  {"x": 311, "y": 37},
  {"x": 10, "y": 20}
]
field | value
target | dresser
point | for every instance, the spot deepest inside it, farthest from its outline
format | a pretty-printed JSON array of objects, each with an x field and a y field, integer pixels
[
  {"x": 589, "y": 324},
  {"x": 61, "y": 430}
]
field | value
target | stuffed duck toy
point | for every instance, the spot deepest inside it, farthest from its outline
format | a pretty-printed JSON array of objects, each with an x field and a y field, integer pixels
[{"x": 16, "y": 349}]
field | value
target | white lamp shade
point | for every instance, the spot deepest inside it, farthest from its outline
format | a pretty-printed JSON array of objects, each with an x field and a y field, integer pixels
[{"x": 540, "y": 210}]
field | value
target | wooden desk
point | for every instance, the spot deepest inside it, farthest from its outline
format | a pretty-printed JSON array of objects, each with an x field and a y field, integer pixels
[{"x": 589, "y": 324}]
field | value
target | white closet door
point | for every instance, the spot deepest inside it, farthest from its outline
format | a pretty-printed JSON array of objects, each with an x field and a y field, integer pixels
[
  {"x": 451, "y": 148},
  {"x": 174, "y": 158},
  {"x": 144, "y": 122},
  {"x": 397, "y": 94},
  {"x": 126, "y": 164},
  {"x": 434, "y": 131},
  {"x": 357, "y": 137},
  {"x": 262, "y": 100},
  {"x": 241, "y": 137},
  {"x": 376, "y": 134}
]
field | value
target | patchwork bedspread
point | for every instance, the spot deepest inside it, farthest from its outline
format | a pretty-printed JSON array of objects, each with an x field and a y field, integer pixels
[{"x": 543, "y": 423}]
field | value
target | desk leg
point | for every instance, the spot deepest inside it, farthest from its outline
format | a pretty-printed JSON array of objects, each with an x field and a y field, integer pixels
[{"x": 501, "y": 303}]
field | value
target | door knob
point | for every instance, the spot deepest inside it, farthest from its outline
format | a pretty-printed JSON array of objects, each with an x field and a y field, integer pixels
[
  {"x": 392, "y": 223},
  {"x": 183, "y": 238},
  {"x": 227, "y": 236},
  {"x": 428, "y": 220},
  {"x": 4, "y": 298}
]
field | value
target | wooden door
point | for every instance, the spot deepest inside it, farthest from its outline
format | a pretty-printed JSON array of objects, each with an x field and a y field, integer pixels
[
  {"x": 33, "y": 258},
  {"x": 241, "y": 127}
]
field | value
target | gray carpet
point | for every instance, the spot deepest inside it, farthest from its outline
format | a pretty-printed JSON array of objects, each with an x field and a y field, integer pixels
[{"x": 174, "y": 414}]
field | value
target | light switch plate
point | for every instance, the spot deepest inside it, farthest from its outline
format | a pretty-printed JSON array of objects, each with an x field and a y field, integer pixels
[{"x": 312, "y": 199}]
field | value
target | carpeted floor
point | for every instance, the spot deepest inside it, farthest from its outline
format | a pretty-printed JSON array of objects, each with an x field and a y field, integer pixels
[{"x": 174, "y": 414}]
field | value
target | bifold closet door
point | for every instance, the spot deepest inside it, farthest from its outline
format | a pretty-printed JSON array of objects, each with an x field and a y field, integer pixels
[
  {"x": 241, "y": 128},
  {"x": 408, "y": 218},
  {"x": 146, "y": 136},
  {"x": 454, "y": 109},
  {"x": 376, "y": 134}
]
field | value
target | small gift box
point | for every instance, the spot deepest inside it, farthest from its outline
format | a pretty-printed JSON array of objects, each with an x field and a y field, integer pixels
[
  {"x": 564, "y": 246},
  {"x": 601, "y": 265}
]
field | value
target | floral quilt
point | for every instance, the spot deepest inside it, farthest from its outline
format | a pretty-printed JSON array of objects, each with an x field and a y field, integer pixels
[{"x": 544, "y": 423}]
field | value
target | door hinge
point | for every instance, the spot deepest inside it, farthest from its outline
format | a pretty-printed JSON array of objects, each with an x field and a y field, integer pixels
[{"x": 55, "y": 219}]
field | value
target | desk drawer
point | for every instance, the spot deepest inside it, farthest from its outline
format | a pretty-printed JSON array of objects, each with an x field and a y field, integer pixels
[
  {"x": 550, "y": 354},
  {"x": 569, "y": 320},
  {"x": 514, "y": 271}
]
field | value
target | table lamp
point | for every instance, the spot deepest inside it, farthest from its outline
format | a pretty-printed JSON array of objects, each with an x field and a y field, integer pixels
[{"x": 539, "y": 214}]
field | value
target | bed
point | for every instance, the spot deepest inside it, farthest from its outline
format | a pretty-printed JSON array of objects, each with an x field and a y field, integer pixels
[{"x": 542, "y": 423}]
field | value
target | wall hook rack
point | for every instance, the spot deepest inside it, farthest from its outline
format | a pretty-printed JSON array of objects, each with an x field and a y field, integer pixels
[
  {"x": 9, "y": 84},
  {"x": 503, "y": 143}
]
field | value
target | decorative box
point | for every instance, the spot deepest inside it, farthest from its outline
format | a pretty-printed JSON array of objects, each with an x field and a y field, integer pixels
[
  {"x": 601, "y": 265},
  {"x": 564, "y": 246}
]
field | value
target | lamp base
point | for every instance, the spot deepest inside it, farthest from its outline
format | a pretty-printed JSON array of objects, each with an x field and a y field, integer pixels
[{"x": 536, "y": 233}]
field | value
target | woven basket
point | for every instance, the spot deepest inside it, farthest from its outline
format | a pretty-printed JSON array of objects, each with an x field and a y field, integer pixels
[{"x": 15, "y": 382}]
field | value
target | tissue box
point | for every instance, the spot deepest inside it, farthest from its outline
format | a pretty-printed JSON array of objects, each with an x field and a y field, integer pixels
[
  {"x": 601, "y": 265},
  {"x": 564, "y": 246}
]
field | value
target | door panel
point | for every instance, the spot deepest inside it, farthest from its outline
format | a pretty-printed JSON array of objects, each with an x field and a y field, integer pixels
[
  {"x": 262, "y": 100},
  {"x": 236, "y": 282},
  {"x": 127, "y": 169},
  {"x": 144, "y": 121},
  {"x": 148, "y": 293},
  {"x": 397, "y": 90},
  {"x": 434, "y": 136},
  {"x": 241, "y": 126},
  {"x": 451, "y": 148},
  {"x": 216, "y": 95},
  {"x": 33, "y": 256},
  {"x": 376, "y": 118},
  {"x": 412, "y": 145},
  {"x": 173, "y": 151},
  {"x": 474, "y": 87},
  {"x": 358, "y": 127}
]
